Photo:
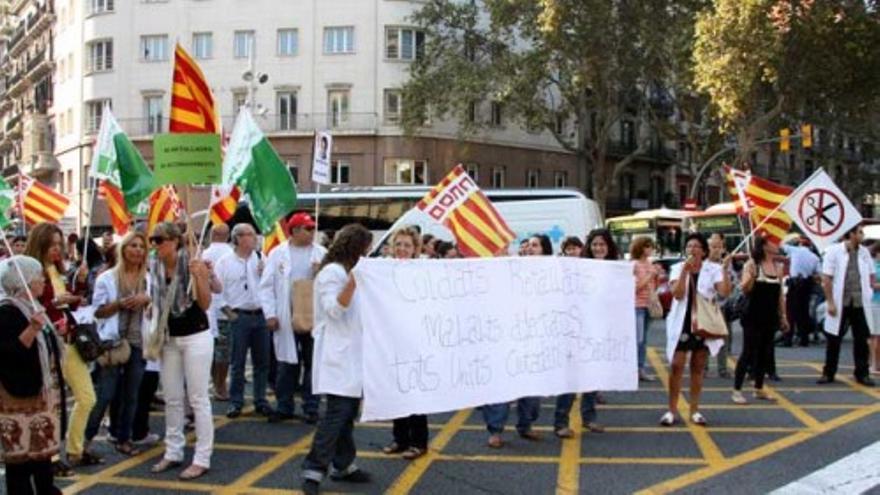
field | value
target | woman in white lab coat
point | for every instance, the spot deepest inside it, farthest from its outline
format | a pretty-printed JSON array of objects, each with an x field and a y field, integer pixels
[
  {"x": 337, "y": 361},
  {"x": 710, "y": 279}
]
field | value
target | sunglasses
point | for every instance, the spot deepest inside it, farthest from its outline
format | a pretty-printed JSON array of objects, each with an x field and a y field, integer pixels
[{"x": 157, "y": 239}]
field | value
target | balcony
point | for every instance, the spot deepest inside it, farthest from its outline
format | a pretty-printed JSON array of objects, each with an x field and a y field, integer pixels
[
  {"x": 16, "y": 84},
  {"x": 15, "y": 46},
  {"x": 294, "y": 125},
  {"x": 40, "y": 64},
  {"x": 656, "y": 153},
  {"x": 13, "y": 129},
  {"x": 30, "y": 28}
]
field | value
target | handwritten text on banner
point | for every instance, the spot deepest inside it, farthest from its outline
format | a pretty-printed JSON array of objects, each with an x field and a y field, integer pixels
[{"x": 443, "y": 335}]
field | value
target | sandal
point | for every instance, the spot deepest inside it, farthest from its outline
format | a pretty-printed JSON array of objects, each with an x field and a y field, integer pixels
[
  {"x": 565, "y": 433},
  {"x": 594, "y": 427},
  {"x": 192, "y": 472},
  {"x": 762, "y": 395},
  {"x": 62, "y": 470},
  {"x": 413, "y": 453},
  {"x": 86, "y": 459},
  {"x": 698, "y": 419},
  {"x": 393, "y": 448},
  {"x": 126, "y": 448},
  {"x": 164, "y": 465},
  {"x": 531, "y": 435},
  {"x": 495, "y": 441}
]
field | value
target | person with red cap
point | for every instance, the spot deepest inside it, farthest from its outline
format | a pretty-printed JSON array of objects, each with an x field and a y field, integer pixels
[{"x": 293, "y": 346}]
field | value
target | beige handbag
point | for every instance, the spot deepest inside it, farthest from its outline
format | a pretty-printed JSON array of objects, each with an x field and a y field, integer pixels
[
  {"x": 117, "y": 353},
  {"x": 708, "y": 319},
  {"x": 301, "y": 311},
  {"x": 655, "y": 308}
]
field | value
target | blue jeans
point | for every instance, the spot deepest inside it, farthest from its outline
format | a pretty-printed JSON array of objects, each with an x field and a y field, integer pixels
[
  {"x": 642, "y": 323},
  {"x": 249, "y": 331},
  {"x": 286, "y": 385},
  {"x": 305, "y": 344},
  {"x": 333, "y": 447},
  {"x": 527, "y": 410},
  {"x": 127, "y": 377},
  {"x": 563, "y": 409}
]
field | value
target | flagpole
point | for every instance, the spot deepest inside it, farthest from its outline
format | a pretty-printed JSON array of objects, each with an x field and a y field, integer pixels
[
  {"x": 778, "y": 207},
  {"x": 93, "y": 197},
  {"x": 21, "y": 204}
]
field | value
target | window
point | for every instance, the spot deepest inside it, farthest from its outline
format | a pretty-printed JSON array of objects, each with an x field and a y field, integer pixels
[
  {"x": 339, "y": 39},
  {"x": 404, "y": 44},
  {"x": 243, "y": 44},
  {"x": 154, "y": 48},
  {"x": 339, "y": 172},
  {"x": 239, "y": 99},
  {"x": 69, "y": 119},
  {"x": 203, "y": 45},
  {"x": 100, "y": 6},
  {"x": 337, "y": 107},
  {"x": 496, "y": 113},
  {"x": 628, "y": 134},
  {"x": 560, "y": 179},
  {"x": 100, "y": 56},
  {"x": 498, "y": 174},
  {"x": 153, "y": 113},
  {"x": 473, "y": 170},
  {"x": 472, "y": 112},
  {"x": 286, "y": 110},
  {"x": 533, "y": 178},
  {"x": 392, "y": 106},
  {"x": 658, "y": 188},
  {"x": 287, "y": 42},
  {"x": 94, "y": 110},
  {"x": 293, "y": 168},
  {"x": 405, "y": 172},
  {"x": 560, "y": 124}
]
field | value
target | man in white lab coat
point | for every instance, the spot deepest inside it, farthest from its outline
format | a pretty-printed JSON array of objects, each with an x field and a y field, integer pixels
[
  {"x": 286, "y": 264},
  {"x": 847, "y": 279}
]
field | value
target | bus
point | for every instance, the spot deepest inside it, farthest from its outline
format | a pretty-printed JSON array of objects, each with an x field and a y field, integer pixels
[
  {"x": 663, "y": 225},
  {"x": 559, "y": 213},
  {"x": 718, "y": 218}
]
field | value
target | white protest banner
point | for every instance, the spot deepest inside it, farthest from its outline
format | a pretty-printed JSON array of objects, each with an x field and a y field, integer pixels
[
  {"x": 442, "y": 335},
  {"x": 321, "y": 161},
  {"x": 822, "y": 210}
]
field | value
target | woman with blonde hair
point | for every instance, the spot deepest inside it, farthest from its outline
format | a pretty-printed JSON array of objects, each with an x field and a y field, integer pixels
[
  {"x": 410, "y": 433},
  {"x": 30, "y": 381},
  {"x": 45, "y": 244},
  {"x": 121, "y": 297}
]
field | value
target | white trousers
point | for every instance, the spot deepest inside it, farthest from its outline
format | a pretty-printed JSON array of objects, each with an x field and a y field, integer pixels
[{"x": 186, "y": 366}]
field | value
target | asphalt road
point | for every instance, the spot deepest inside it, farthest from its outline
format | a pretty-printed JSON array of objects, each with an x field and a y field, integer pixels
[{"x": 745, "y": 449}]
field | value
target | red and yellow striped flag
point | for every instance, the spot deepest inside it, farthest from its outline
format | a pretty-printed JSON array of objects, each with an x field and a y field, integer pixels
[
  {"x": 274, "y": 238},
  {"x": 192, "y": 103},
  {"x": 40, "y": 202},
  {"x": 165, "y": 206},
  {"x": 224, "y": 202},
  {"x": 120, "y": 218},
  {"x": 458, "y": 203},
  {"x": 764, "y": 197},
  {"x": 736, "y": 181}
]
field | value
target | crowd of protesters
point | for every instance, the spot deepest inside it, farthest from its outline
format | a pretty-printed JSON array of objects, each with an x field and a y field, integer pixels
[{"x": 164, "y": 311}]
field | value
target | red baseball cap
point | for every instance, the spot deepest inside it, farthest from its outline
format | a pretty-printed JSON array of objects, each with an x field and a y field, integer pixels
[{"x": 299, "y": 220}]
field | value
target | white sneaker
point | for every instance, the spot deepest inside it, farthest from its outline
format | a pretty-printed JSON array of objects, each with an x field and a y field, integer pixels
[
  {"x": 738, "y": 398},
  {"x": 667, "y": 419}
]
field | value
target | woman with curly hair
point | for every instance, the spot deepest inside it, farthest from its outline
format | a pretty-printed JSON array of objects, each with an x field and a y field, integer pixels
[{"x": 337, "y": 371}]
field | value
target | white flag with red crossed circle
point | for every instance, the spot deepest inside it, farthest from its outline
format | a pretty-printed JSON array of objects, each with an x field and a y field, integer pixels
[{"x": 822, "y": 210}]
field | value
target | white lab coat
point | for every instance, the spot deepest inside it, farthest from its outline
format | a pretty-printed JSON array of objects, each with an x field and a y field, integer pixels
[
  {"x": 337, "y": 366},
  {"x": 710, "y": 274},
  {"x": 106, "y": 292},
  {"x": 275, "y": 296},
  {"x": 834, "y": 265}
]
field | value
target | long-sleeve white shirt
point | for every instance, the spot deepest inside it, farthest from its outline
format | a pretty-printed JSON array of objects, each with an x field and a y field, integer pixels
[{"x": 241, "y": 280}]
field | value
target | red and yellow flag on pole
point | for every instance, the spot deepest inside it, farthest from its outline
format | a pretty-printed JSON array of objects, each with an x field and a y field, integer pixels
[
  {"x": 459, "y": 204},
  {"x": 765, "y": 198},
  {"x": 40, "y": 202},
  {"x": 165, "y": 206},
  {"x": 274, "y": 238},
  {"x": 120, "y": 218},
  {"x": 736, "y": 182},
  {"x": 192, "y": 103}
]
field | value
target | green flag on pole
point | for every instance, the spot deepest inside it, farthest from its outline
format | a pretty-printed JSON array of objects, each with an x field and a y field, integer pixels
[
  {"x": 119, "y": 162},
  {"x": 7, "y": 199},
  {"x": 253, "y": 165}
]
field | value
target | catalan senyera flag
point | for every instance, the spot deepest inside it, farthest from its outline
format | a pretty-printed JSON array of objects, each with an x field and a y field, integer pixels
[
  {"x": 736, "y": 181},
  {"x": 224, "y": 202},
  {"x": 192, "y": 103},
  {"x": 458, "y": 203},
  {"x": 764, "y": 197},
  {"x": 41, "y": 203},
  {"x": 165, "y": 206},
  {"x": 273, "y": 238},
  {"x": 120, "y": 218}
]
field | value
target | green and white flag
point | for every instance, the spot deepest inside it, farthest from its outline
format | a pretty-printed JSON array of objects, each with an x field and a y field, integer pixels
[
  {"x": 7, "y": 199},
  {"x": 253, "y": 165},
  {"x": 119, "y": 162}
]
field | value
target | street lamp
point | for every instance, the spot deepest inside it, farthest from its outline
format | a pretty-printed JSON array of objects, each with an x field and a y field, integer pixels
[{"x": 254, "y": 79}]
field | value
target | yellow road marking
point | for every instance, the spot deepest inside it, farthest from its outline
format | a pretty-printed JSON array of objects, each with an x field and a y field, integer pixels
[
  {"x": 411, "y": 475},
  {"x": 796, "y": 411},
  {"x": 162, "y": 484},
  {"x": 644, "y": 460},
  {"x": 704, "y": 441},
  {"x": 765, "y": 450},
  {"x": 273, "y": 463},
  {"x": 871, "y": 392},
  {"x": 569, "y": 457}
]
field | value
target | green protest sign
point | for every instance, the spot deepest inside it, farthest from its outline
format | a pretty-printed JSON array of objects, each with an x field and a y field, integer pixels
[{"x": 187, "y": 159}]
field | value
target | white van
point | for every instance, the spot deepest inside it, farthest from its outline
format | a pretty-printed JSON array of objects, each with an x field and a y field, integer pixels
[{"x": 559, "y": 213}]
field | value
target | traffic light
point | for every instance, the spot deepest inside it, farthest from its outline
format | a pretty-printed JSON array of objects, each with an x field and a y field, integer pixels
[
  {"x": 807, "y": 136},
  {"x": 784, "y": 140}
]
